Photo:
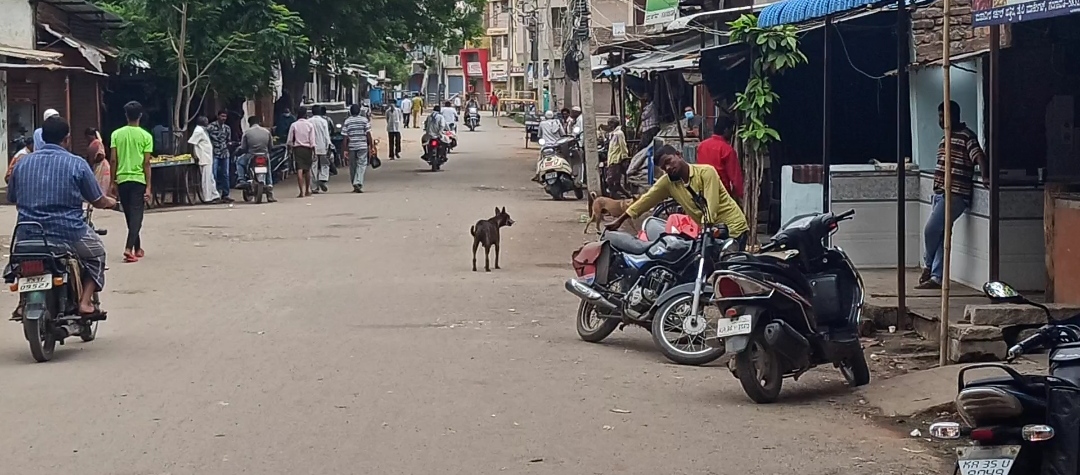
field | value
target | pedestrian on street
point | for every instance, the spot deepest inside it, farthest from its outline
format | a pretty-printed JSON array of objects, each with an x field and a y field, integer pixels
[
  {"x": 618, "y": 158},
  {"x": 220, "y": 133},
  {"x": 203, "y": 151},
  {"x": 301, "y": 143},
  {"x": 38, "y": 141},
  {"x": 406, "y": 110},
  {"x": 131, "y": 149},
  {"x": 98, "y": 160},
  {"x": 494, "y": 104},
  {"x": 457, "y": 101},
  {"x": 417, "y": 109},
  {"x": 650, "y": 123},
  {"x": 357, "y": 132},
  {"x": 320, "y": 167},
  {"x": 394, "y": 123},
  {"x": 27, "y": 149},
  {"x": 717, "y": 152},
  {"x": 284, "y": 123},
  {"x": 964, "y": 154}
]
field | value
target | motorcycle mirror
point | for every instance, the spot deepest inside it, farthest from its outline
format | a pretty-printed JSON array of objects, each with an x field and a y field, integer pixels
[{"x": 1002, "y": 292}]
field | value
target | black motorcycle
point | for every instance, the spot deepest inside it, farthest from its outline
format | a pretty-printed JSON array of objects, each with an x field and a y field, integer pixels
[
  {"x": 658, "y": 284},
  {"x": 794, "y": 306},
  {"x": 435, "y": 152},
  {"x": 48, "y": 279},
  {"x": 1021, "y": 424},
  {"x": 472, "y": 118}
]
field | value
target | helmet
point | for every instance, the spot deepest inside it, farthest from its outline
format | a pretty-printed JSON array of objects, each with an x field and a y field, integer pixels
[{"x": 549, "y": 115}]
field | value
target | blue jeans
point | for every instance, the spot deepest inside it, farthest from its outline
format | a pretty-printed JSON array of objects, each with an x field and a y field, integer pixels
[
  {"x": 934, "y": 233},
  {"x": 221, "y": 174}
]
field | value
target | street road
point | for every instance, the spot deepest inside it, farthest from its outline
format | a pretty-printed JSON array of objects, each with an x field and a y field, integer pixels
[{"x": 346, "y": 334}]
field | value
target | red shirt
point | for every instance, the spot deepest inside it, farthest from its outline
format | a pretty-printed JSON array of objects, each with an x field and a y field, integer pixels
[{"x": 718, "y": 153}]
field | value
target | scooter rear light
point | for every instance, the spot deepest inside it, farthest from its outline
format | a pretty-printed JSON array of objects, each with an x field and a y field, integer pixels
[
  {"x": 727, "y": 287},
  {"x": 434, "y": 143},
  {"x": 260, "y": 161},
  {"x": 31, "y": 268},
  {"x": 982, "y": 435}
]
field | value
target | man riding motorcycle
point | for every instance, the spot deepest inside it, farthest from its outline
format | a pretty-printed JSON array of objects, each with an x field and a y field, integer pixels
[
  {"x": 434, "y": 127},
  {"x": 257, "y": 140},
  {"x": 683, "y": 182},
  {"x": 473, "y": 104},
  {"x": 49, "y": 187}
]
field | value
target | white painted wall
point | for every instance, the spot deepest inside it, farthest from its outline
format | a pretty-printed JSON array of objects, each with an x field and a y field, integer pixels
[
  {"x": 17, "y": 26},
  {"x": 927, "y": 91}
]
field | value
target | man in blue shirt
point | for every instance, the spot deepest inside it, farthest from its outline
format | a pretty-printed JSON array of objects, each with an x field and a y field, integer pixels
[
  {"x": 49, "y": 187},
  {"x": 38, "y": 141}
]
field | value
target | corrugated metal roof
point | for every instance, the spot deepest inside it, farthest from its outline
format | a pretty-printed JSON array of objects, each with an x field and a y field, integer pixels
[
  {"x": 789, "y": 12},
  {"x": 29, "y": 54}
]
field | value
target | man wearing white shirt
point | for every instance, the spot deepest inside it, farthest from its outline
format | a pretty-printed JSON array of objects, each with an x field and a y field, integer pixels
[
  {"x": 203, "y": 150},
  {"x": 457, "y": 101},
  {"x": 450, "y": 116},
  {"x": 406, "y": 110},
  {"x": 320, "y": 166}
]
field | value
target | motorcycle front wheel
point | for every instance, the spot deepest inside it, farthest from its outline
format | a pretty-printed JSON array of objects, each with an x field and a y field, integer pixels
[
  {"x": 592, "y": 327},
  {"x": 759, "y": 372},
  {"x": 681, "y": 338}
]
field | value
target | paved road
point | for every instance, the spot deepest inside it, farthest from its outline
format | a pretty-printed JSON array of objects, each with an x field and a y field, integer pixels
[{"x": 346, "y": 334}]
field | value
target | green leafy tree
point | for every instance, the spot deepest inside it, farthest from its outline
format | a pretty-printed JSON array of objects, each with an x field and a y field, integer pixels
[
  {"x": 774, "y": 50},
  {"x": 228, "y": 46}
]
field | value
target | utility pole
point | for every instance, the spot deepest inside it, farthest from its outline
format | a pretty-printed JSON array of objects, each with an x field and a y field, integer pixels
[
  {"x": 513, "y": 49},
  {"x": 582, "y": 33}
]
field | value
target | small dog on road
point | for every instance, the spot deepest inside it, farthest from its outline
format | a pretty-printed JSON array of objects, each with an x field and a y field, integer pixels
[
  {"x": 599, "y": 205},
  {"x": 486, "y": 232}
]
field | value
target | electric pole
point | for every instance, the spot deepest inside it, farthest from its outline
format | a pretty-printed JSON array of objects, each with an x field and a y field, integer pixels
[{"x": 582, "y": 33}]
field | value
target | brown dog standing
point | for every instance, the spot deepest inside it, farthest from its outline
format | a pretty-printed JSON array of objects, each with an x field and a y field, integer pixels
[
  {"x": 600, "y": 205},
  {"x": 486, "y": 232}
]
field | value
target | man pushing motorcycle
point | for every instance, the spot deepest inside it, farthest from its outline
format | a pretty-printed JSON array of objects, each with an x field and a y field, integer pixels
[{"x": 682, "y": 182}]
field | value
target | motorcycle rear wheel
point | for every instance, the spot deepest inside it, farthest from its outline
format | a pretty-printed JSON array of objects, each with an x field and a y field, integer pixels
[
  {"x": 258, "y": 190},
  {"x": 42, "y": 340},
  {"x": 591, "y": 327},
  {"x": 855, "y": 369},
  {"x": 761, "y": 384}
]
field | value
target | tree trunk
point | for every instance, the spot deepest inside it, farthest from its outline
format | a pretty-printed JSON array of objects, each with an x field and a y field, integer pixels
[
  {"x": 293, "y": 79},
  {"x": 753, "y": 169}
]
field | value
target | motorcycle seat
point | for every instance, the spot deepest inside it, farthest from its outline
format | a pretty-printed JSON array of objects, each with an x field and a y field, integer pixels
[
  {"x": 654, "y": 228},
  {"x": 24, "y": 247},
  {"x": 627, "y": 243}
]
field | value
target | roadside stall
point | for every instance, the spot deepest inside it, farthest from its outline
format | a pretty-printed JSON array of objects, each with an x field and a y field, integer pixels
[{"x": 174, "y": 180}]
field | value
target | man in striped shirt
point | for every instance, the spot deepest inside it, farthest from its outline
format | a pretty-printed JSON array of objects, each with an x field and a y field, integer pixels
[
  {"x": 357, "y": 131},
  {"x": 964, "y": 154}
]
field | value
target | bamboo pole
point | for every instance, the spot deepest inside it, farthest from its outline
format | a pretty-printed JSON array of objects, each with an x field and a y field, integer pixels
[{"x": 946, "y": 65}]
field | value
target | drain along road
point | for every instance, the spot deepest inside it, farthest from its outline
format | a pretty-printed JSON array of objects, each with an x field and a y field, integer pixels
[{"x": 346, "y": 334}]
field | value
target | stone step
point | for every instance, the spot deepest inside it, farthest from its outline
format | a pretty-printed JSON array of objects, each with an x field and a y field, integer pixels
[{"x": 1004, "y": 315}]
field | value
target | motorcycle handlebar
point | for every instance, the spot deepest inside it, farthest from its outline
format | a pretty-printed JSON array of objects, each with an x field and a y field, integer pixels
[{"x": 846, "y": 215}]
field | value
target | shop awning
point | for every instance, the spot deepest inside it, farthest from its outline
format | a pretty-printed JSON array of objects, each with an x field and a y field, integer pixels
[
  {"x": 679, "y": 56},
  {"x": 94, "y": 54},
  {"x": 48, "y": 67},
  {"x": 29, "y": 54},
  {"x": 788, "y": 12},
  {"x": 706, "y": 19},
  {"x": 88, "y": 12}
]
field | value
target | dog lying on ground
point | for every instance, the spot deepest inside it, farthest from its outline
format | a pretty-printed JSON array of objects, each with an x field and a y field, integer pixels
[
  {"x": 486, "y": 232},
  {"x": 600, "y": 205}
]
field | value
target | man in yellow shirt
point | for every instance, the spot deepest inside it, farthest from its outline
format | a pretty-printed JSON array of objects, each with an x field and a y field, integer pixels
[
  {"x": 678, "y": 181},
  {"x": 417, "y": 108},
  {"x": 618, "y": 158}
]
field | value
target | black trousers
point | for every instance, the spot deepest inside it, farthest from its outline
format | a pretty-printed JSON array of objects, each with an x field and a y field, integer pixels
[
  {"x": 406, "y": 115},
  {"x": 647, "y": 137},
  {"x": 132, "y": 198},
  {"x": 395, "y": 144}
]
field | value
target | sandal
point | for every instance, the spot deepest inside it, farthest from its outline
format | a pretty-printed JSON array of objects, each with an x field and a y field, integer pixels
[{"x": 130, "y": 258}]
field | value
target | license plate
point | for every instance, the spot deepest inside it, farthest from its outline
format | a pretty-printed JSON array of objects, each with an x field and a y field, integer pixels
[
  {"x": 551, "y": 175},
  {"x": 740, "y": 325},
  {"x": 986, "y": 460},
  {"x": 35, "y": 283},
  {"x": 261, "y": 170}
]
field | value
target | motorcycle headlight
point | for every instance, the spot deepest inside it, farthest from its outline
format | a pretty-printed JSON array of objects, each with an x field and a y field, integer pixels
[{"x": 980, "y": 406}]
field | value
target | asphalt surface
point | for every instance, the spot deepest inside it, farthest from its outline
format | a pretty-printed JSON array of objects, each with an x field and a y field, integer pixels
[{"x": 346, "y": 334}]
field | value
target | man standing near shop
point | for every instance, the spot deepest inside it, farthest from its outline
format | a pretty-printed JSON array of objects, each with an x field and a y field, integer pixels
[
  {"x": 357, "y": 132},
  {"x": 320, "y": 166},
  {"x": 301, "y": 144},
  {"x": 719, "y": 154},
  {"x": 406, "y": 111},
  {"x": 204, "y": 157},
  {"x": 220, "y": 133},
  {"x": 618, "y": 159},
  {"x": 394, "y": 123},
  {"x": 964, "y": 154},
  {"x": 650, "y": 123},
  {"x": 130, "y": 157},
  {"x": 417, "y": 109}
]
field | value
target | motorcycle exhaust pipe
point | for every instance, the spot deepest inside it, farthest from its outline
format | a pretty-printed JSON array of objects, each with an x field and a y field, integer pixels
[{"x": 586, "y": 293}]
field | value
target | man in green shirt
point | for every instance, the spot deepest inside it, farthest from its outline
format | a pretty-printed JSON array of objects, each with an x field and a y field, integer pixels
[
  {"x": 681, "y": 177},
  {"x": 130, "y": 160}
]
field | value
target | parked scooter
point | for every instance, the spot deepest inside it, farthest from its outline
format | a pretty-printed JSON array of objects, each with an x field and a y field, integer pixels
[
  {"x": 794, "y": 306},
  {"x": 49, "y": 282},
  {"x": 554, "y": 170},
  {"x": 472, "y": 118},
  {"x": 1021, "y": 424}
]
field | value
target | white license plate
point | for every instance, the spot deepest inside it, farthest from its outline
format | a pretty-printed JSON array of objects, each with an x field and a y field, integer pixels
[
  {"x": 986, "y": 460},
  {"x": 261, "y": 169},
  {"x": 35, "y": 283},
  {"x": 551, "y": 175},
  {"x": 740, "y": 325}
]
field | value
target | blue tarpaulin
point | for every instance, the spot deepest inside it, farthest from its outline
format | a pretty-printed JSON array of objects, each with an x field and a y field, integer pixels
[{"x": 789, "y": 12}]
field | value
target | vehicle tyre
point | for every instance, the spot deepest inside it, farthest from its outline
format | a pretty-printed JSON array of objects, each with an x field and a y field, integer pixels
[
  {"x": 258, "y": 189},
  {"x": 556, "y": 193},
  {"x": 855, "y": 369},
  {"x": 472, "y": 128},
  {"x": 247, "y": 195},
  {"x": 761, "y": 382},
  {"x": 42, "y": 340},
  {"x": 673, "y": 316},
  {"x": 591, "y": 327},
  {"x": 579, "y": 193}
]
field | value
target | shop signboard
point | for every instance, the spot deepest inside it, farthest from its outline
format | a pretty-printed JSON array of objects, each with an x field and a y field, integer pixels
[
  {"x": 661, "y": 12},
  {"x": 997, "y": 12}
]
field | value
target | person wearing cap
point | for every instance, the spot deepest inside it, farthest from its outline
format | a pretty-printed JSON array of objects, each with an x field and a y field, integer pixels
[
  {"x": 576, "y": 121},
  {"x": 38, "y": 141},
  {"x": 550, "y": 128}
]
